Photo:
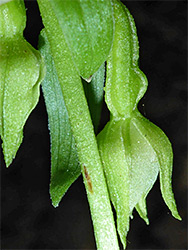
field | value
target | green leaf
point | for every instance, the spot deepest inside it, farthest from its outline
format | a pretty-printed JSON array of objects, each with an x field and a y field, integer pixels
[
  {"x": 163, "y": 149},
  {"x": 21, "y": 72},
  {"x": 94, "y": 94},
  {"x": 88, "y": 30},
  {"x": 65, "y": 167},
  {"x": 125, "y": 83}
]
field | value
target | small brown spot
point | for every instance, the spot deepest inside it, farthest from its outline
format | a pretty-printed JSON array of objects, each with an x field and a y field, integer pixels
[{"x": 88, "y": 180}]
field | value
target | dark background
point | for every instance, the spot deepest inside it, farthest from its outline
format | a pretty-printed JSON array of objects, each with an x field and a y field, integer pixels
[{"x": 28, "y": 220}]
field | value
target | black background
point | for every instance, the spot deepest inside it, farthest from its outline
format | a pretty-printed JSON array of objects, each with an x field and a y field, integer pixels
[{"x": 28, "y": 220}]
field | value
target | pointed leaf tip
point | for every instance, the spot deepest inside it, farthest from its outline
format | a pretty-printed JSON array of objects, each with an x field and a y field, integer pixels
[{"x": 65, "y": 167}]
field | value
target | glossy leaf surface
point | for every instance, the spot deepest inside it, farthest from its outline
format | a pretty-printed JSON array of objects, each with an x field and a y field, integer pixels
[{"x": 21, "y": 72}]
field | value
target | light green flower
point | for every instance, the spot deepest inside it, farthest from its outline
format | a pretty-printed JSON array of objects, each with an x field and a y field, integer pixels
[
  {"x": 21, "y": 72},
  {"x": 133, "y": 150}
]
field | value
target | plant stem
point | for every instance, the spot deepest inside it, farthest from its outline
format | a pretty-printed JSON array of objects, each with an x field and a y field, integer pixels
[{"x": 90, "y": 162}]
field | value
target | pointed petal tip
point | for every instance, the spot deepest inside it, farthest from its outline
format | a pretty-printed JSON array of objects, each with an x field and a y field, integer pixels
[
  {"x": 55, "y": 204},
  {"x": 8, "y": 161},
  {"x": 146, "y": 221},
  {"x": 177, "y": 216},
  {"x": 54, "y": 200},
  {"x": 123, "y": 238},
  {"x": 124, "y": 243}
]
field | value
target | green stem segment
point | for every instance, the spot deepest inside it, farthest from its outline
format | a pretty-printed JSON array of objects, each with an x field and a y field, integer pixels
[{"x": 91, "y": 166}]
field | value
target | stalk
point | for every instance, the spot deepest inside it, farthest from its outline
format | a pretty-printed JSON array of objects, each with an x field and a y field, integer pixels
[{"x": 82, "y": 128}]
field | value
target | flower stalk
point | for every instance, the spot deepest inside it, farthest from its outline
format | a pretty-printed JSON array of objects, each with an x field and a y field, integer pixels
[{"x": 82, "y": 128}]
